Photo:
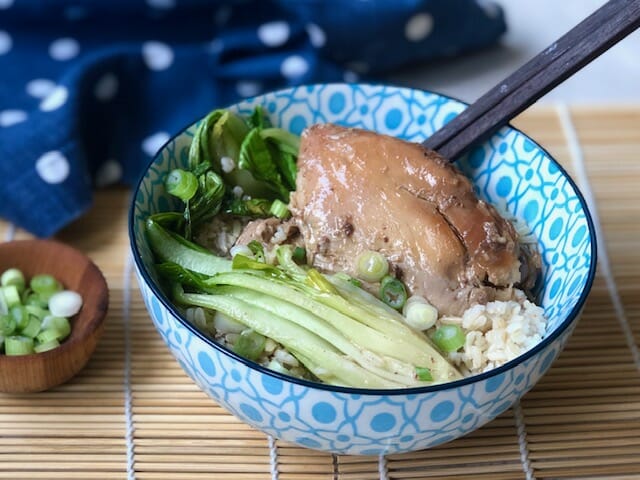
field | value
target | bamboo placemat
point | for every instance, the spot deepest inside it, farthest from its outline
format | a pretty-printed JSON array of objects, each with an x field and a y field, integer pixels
[{"x": 133, "y": 414}]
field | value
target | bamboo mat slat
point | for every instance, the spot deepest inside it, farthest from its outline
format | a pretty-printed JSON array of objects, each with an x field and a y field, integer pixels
[{"x": 133, "y": 414}]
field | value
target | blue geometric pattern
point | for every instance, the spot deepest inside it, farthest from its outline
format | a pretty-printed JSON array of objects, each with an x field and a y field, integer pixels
[{"x": 508, "y": 168}]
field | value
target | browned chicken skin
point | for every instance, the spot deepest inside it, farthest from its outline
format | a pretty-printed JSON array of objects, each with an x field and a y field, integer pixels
[{"x": 357, "y": 190}]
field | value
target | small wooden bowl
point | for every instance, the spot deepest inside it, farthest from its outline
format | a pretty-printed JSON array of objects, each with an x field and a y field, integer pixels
[{"x": 41, "y": 371}]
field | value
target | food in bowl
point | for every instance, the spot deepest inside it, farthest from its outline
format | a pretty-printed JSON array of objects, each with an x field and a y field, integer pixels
[
  {"x": 347, "y": 257},
  {"x": 509, "y": 170},
  {"x": 34, "y": 313}
]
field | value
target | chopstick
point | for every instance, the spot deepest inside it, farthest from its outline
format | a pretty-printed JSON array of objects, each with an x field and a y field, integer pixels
[{"x": 590, "y": 38}]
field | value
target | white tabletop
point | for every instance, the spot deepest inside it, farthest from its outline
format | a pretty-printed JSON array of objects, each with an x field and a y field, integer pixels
[{"x": 533, "y": 25}]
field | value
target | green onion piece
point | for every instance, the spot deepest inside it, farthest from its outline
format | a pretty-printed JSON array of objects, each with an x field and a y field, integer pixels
[
  {"x": 424, "y": 374},
  {"x": 34, "y": 299},
  {"x": 46, "y": 336},
  {"x": 371, "y": 266},
  {"x": 37, "y": 311},
  {"x": 20, "y": 315},
  {"x": 7, "y": 325},
  {"x": 279, "y": 209},
  {"x": 449, "y": 338},
  {"x": 60, "y": 324},
  {"x": 14, "y": 277},
  {"x": 299, "y": 255},
  {"x": 43, "y": 347},
  {"x": 11, "y": 295},
  {"x": 419, "y": 314},
  {"x": 258, "y": 250},
  {"x": 182, "y": 184},
  {"x": 18, "y": 345},
  {"x": 250, "y": 345},
  {"x": 45, "y": 285},
  {"x": 32, "y": 328},
  {"x": 393, "y": 292}
]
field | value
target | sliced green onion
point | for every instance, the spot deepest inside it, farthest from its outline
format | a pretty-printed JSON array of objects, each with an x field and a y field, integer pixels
[
  {"x": 419, "y": 314},
  {"x": 424, "y": 374},
  {"x": 250, "y": 344},
  {"x": 35, "y": 300},
  {"x": 45, "y": 285},
  {"x": 60, "y": 324},
  {"x": 18, "y": 345},
  {"x": 14, "y": 277},
  {"x": 43, "y": 347},
  {"x": 46, "y": 336},
  {"x": 20, "y": 315},
  {"x": 7, "y": 325},
  {"x": 11, "y": 295},
  {"x": 32, "y": 328},
  {"x": 182, "y": 184},
  {"x": 279, "y": 209},
  {"x": 449, "y": 338},
  {"x": 37, "y": 311},
  {"x": 299, "y": 255},
  {"x": 393, "y": 292},
  {"x": 258, "y": 250},
  {"x": 65, "y": 303},
  {"x": 371, "y": 266}
]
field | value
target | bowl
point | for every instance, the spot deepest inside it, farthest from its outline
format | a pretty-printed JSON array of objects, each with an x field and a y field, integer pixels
[
  {"x": 42, "y": 371},
  {"x": 509, "y": 168}
]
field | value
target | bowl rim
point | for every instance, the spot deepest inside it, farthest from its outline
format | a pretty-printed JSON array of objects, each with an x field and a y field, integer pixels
[{"x": 540, "y": 346}]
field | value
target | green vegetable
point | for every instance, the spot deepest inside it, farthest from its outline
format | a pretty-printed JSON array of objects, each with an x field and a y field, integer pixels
[
  {"x": 393, "y": 292},
  {"x": 182, "y": 184},
  {"x": 28, "y": 326},
  {"x": 371, "y": 266},
  {"x": 170, "y": 247},
  {"x": 299, "y": 255},
  {"x": 419, "y": 313},
  {"x": 449, "y": 338},
  {"x": 279, "y": 209},
  {"x": 45, "y": 285},
  {"x": 250, "y": 345},
  {"x": 14, "y": 277},
  {"x": 424, "y": 374},
  {"x": 18, "y": 345}
]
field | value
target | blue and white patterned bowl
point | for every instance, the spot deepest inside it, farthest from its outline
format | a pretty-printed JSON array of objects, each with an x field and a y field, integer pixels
[{"x": 509, "y": 168}]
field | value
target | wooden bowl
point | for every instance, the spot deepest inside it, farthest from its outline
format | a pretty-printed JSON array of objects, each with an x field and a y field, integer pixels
[{"x": 41, "y": 371}]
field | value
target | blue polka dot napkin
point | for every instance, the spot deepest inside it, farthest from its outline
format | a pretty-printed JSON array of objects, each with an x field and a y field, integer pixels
[{"x": 90, "y": 89}]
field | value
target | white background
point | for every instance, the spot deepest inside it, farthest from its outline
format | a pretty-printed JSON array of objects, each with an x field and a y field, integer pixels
[{"x": 532, "y": 25}]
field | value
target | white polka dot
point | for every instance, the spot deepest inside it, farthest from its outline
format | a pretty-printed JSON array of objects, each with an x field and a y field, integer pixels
[
  {"x": 64, "y": 49},
  {"x": 11, "y": 117},
  {"x": 161, "y": 4},
  {"x": 316, "y": 35},
  {"x": 273, "y": 34},
  {"x": 157, "y": 55},
  {"x": 106, "y": 88},
  {"x": 153, "y": 143},
  {"x": 40, "y": 87},
  {"x": 5, "y": 42},
  {"x": 5, "y": 3},
  {"x": 294, "y": 66},
  {"x": 53, "y": 167},
  {"x": 418, "y": 27},
  {"x": 248, "y": 88},
  {"x": 110, "y": 172},
  {"x": 55, "y": 99}
]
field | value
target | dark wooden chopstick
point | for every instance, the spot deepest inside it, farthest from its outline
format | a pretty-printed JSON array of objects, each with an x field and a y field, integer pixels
[{"x": 589, "y": 39}]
